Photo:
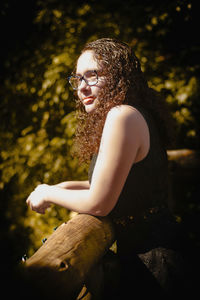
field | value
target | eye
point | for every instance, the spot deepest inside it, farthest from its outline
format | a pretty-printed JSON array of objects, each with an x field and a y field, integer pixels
[{"x": 90, "y": 75}]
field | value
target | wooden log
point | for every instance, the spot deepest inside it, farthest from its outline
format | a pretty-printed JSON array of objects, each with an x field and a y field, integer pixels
[
  {"x": 184, "y": 167},
  {"x": 184, "y": 158},
  {"x": 62, "y": 264}
]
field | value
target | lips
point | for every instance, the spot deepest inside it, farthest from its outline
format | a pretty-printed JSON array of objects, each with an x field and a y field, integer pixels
[{"x": 88, "y": 100}]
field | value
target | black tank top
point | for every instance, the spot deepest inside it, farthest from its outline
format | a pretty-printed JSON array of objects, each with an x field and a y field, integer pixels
[
  {"x": 147, "y": 183},
  {"x": 145, "y": 229},
  {"x": 141, "y": 217}
]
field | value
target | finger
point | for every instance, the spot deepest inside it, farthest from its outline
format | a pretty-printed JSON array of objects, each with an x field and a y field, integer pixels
[
  {"x": 28, "y": 200},
  {"x": 36, "y": 209},
  {"x": 46, "y": 205},
  {"x": 40, "y": 211}
]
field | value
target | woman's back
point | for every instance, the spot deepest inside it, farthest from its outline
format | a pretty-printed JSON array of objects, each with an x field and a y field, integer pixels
[{"x": 147, "y": 183}]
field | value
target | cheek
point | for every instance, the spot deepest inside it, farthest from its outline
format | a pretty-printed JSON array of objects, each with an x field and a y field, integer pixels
[
  {"x": 99, "y": 88},
  {"x": 96, "y": 90},
  {"x": 102, "y": 82}
]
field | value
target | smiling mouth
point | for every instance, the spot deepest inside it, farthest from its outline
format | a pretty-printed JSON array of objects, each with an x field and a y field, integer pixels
[{"x": 88, "y": 100}]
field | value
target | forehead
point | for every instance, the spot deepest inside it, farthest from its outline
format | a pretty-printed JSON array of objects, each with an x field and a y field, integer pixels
[{"x": 86, "y": 62}]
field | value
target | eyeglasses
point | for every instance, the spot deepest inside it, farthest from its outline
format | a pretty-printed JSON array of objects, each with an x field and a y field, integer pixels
[{"x": 90, "y": 78}]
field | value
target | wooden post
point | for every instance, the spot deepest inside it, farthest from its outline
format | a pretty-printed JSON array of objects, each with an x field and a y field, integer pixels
[
  {"x": 62, "y": 264},
  {"x": 184, "y": 166},
  {"x": 184, "y": 158}
]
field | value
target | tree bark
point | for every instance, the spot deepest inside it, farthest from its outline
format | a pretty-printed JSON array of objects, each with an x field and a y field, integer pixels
[{"x": 62, "y": 264}]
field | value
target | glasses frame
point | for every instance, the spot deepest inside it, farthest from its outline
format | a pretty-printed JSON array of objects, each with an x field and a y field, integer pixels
[{"x": 83, "y": 78}]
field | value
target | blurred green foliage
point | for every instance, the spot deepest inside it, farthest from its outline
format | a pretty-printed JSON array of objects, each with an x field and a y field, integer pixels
[{"x": 37, "y": 108}]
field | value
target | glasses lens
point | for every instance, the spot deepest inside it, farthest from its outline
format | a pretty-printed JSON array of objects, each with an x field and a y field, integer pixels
[
  {"x": 91, "y": 77},
  {"x": 75, "y": 82}
]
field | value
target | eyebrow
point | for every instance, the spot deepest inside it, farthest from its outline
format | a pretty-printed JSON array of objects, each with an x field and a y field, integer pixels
[{"x": 89, "y": 70}]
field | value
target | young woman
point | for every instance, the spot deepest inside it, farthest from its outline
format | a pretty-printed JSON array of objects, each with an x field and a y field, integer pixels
[{"x": 123, "y": 128}]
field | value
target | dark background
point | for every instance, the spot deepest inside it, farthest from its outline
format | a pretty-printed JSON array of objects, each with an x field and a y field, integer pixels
[{"x": 40, "y": 41}]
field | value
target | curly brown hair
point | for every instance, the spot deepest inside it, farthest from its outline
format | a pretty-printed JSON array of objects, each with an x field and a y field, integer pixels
[{"x": 125, "y": 84}]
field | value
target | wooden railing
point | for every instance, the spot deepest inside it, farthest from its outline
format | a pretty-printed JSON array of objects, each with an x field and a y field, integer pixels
[
  {"x": 185, "y": 158},
  {"x": 64, "y": 261},
  {"x": 68, "y": 256}
]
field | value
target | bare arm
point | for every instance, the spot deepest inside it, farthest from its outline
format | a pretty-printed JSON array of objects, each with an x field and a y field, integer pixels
[
  {"x": 125, "y": 140},
  {"x": 74, "y": 185}
]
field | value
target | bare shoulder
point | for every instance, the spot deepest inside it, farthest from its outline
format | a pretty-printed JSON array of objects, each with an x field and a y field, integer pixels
[
  {"x": 127, "y": 124},
  {"x": 124, "y": 142},
  {"x": 126, "y": 114}
]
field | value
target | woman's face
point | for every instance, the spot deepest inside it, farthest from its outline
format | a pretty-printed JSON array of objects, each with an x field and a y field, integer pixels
[{"x": 86, "y": 93}]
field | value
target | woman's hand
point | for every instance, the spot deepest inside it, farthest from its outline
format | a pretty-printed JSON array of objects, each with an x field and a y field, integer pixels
[{"x": 38, "y": 199}]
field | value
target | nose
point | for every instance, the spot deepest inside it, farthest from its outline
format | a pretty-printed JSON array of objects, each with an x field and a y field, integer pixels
[{"x": 83, "y": 85}]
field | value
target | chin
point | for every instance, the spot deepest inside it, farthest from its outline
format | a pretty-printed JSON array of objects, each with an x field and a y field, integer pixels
[{"x": 90, "y": 108}]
